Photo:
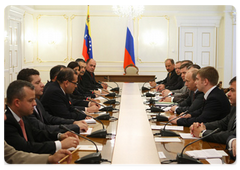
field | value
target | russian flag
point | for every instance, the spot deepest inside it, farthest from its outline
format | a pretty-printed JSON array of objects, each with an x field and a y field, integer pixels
[
  {"x": 129, "y": 57},
  {"x": 87, "y": 43}
]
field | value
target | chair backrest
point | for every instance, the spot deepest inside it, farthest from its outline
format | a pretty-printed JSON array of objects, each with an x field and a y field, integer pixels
[{"x": 131, "y": 70}]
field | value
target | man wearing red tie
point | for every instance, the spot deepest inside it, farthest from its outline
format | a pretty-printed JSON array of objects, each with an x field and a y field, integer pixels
[
  {"x": 88, "y": 78},
  {"x": 18, "y": 131}
]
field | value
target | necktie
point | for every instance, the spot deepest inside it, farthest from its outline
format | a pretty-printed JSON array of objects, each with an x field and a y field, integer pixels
[
  {"x": 91, "y": 74},
  {"x": 23, "y": 129},
  {"x": 39, "y": 113},
  {"x": 170, "y": 74},
  {"x": 234, "y": 124}
]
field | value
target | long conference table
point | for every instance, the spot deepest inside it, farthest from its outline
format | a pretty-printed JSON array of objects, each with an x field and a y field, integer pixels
[{"x": 133, "y": 141}]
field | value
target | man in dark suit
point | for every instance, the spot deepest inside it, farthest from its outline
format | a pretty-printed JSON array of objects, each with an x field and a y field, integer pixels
[
  {"x": 88, "y": 79},
  {"x": 216, "y": 104},
  {"x": 12, "y": 156},
  {"x": 80, "y": 88},
  {"x": 18, "y": 131},
  {"x": 231, "y": 146},
  {"x": 179, "y": 94},
  {"x": 56, "y": 100},
  {"x": 195, "y": 100},
  {"x": 172, "y": 81},
  {"x": 53, "y": 75},
  {"x": 40, "y": 118},
  {"x": 227, "y": 125}
]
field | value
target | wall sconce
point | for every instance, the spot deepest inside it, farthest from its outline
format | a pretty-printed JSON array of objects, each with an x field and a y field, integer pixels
[{"x": 5, "y": 36}]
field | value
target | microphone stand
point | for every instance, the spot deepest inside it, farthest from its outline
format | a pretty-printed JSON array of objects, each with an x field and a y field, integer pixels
[
  {"x": 164, "y": 132},
  {"x": 145, "y": 88},
  {"x": 185, "y": 159},
  {"x": 102, "y": 133},
  {"x": 93, "y": 158},
  {"x": 113, "y": 89}
]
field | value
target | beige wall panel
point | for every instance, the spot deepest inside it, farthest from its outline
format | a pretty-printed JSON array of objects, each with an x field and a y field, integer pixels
[
  {"x": 108, "y": 38},
  {"x": 29, "y": 38},
  {"x": 152, "y": 39},
  {"x": 52, "y": 38}
]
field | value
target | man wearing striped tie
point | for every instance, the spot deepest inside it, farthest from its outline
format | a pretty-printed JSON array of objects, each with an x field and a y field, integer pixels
[{"x": 227, "y": 125}]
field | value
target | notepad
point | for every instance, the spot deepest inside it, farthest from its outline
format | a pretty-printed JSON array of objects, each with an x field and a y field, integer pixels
[{"x": 88, "y": 132}]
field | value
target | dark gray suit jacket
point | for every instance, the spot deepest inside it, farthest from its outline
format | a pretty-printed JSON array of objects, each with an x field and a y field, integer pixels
[
  {"x": 193, "y": 102},
  {"x": 216, "y": 107},
  {"x": 225, "y": 126},
  {"x": 39, "y": 141},
  {"x": 45, "y": 121}
]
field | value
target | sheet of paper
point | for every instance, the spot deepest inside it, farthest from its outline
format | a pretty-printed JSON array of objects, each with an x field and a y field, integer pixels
[
  {"x": 161, "y": 155},
  {"x": 90, "y": 147},
  {"x": 90, "y": 121},
  {"x": 158, "y": 127},
  {"x": 187, "y": 136},
  {"x": 167, "y": 139},
  {"x": 214, "y": 161},
  {"x": 88, "y": 132},
  {"x": 222, "y": 152},
  {"x": 204, "y": 153},
  {"x": 166, "y": 109},
  {"x": 99, "y": 98},
  {"x": 87, "y": 147}
]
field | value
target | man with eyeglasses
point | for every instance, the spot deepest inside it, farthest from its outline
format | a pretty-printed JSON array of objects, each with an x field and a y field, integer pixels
[
  {"x": 56, "y": 98},
  {"x": 40, "y": 118}
]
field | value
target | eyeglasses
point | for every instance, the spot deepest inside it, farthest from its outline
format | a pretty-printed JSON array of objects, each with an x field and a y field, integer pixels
[{"x": 74, "y": 83}]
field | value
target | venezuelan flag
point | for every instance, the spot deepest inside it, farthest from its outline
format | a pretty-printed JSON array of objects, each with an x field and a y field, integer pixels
[
  {"x": 87, "y": 43},
  {"x": 129, "y": 57}
]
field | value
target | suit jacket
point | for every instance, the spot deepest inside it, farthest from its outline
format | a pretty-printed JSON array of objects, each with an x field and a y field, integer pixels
[
  {"x": 172, "y": 82},
  {"x": 46, "y": 121},
  {"x": 12, "y": 156},
  {"x": 182, "y": 93},
  {"x": 193, "y": 102},
  {"x": 39, "y": 141},
  {"x": 230, "y": 151},
  {"x": 225, "y": 126},
  {"x": 89, "y": 81},
  {"x": 216, "y": 107},
  {"x": 58, "y": 104}
]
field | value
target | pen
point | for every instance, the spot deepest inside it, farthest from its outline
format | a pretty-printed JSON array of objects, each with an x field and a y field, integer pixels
[{"x": 68, "y": 155}]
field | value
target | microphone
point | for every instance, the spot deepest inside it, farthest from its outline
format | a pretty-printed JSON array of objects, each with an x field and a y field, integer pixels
[
  {"x": 164, "y": 132},
  {"x": 145, "y": 88},
  {"x": 185, "y": 159},
  {"x": 113, "y": 89},
  {"x": 102, "y": 133},
  {"x": 109, "y": 94},
  {"x": 171, "y": 94},
  {"x": 110, "y": 101},
  {"x": 152, "y": 101},
  {"x": 93, "y": 158},
  {"x": 105, "y": 108}
]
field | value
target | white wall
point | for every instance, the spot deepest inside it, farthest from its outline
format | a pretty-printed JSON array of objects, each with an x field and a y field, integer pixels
[{"x": 54, "y": 35}]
